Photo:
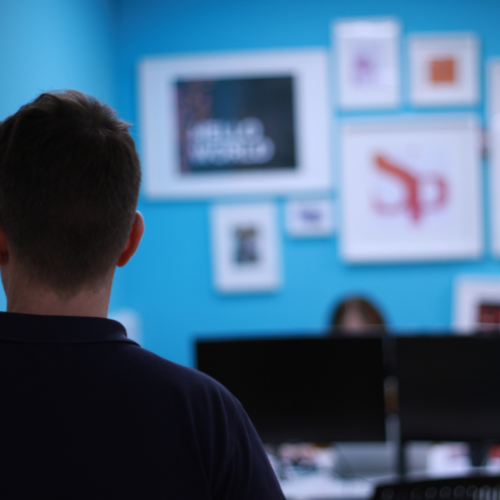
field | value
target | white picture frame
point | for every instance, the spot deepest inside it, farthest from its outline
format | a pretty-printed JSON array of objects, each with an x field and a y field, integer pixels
[
  {"x": 169, "y": 136},
  {"x": 367, "y": 63},
  {"x": 476, "y": 304},
  {"x": 132, "y": 322},
  {"x": 444, "y": 69},
  {"x": 245, "y": 248},
  {"x": 493, "y": 117},
  {"x": 310, "y": 218},
  {"x": 411, "y": 189}
]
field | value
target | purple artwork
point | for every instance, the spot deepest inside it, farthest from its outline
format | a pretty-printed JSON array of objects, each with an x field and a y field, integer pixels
[{"x": 365, "y": 66}]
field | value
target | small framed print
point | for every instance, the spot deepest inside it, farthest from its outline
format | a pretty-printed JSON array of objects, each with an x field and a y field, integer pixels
[
  {"x": 494, "y": 150},
  {"x": 235, "y": 123},
  {"x": 309, "y": 218},
  {"x": 411, "y": 190},
  {"x": 246, "y": 256},
  {"x": 444, "y": 70},
  {"x": 476, "y": 305},
  {"x": 367, "y": 55}
]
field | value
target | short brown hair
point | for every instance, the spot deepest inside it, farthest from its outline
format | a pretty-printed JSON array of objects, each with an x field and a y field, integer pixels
[{"x": 69, "y": 185}]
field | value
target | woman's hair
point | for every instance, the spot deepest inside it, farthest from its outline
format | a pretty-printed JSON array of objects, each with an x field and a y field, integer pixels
[{"x": 363, "y": 307}]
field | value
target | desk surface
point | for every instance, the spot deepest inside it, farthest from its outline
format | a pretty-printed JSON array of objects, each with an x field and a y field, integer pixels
[{"x": 322, "y": 485}]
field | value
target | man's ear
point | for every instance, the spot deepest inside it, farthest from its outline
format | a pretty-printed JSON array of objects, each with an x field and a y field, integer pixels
[
  {"x": 4, "y": 247},
  {"x": 134, "y": 238}
]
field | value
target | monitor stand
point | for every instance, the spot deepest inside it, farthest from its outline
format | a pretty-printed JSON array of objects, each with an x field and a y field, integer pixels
[
  {"x": 478, "y": 453},
  {"x": 402, "y": 466}
]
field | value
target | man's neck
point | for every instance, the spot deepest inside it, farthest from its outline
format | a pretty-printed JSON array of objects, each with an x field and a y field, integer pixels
[{"x": 40, "y": 300}]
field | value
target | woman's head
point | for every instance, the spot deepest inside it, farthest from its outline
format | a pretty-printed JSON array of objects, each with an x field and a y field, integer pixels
[{"x": 357, "y": 314}]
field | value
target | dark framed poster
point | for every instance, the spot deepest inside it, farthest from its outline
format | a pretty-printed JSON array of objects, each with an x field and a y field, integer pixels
[{"x": 235, "y": 124}]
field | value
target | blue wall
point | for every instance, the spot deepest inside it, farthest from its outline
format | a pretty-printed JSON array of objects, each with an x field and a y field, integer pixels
[
  {"x": 169, "y": 282},
  {"x": 54, "y": 44},
  {"x": 94, "y": 45}
]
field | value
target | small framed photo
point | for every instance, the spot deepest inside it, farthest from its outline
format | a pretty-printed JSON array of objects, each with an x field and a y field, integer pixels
[
  {"x": 235, "y": 123},
  {"x": 411, "y": 190},
  {"x": 309, "y": 218},
  {"x": 476, "y": 305},
  {"x": 246, "y": 255},
  {"x": 367, "y": 55},
  {"x": 444, "y": 70},
  {"x": 494, "y": 150}
]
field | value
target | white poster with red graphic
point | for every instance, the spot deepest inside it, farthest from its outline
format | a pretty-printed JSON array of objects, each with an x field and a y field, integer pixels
[{"x": 411, "y": 190}]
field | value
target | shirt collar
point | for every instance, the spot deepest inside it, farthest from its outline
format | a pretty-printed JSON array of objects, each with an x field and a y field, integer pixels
[{"x": 34, "y": 328}]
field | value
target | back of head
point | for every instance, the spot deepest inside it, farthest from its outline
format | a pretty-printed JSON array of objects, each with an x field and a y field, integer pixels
[
  {"x": 357, "y": 314},
  {"x": 69, "y": 185}
]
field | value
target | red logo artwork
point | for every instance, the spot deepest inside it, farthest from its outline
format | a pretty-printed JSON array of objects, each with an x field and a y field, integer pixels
[{"x": 412, "y": 184}]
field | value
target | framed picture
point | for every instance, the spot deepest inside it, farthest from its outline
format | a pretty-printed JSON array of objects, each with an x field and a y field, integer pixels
[
  {"x": 309, "y": 218},
  {"x": 494, "y": 150},
  {"x": 367, "y": 54},
  {"x": 444, "y": 70},
  {"x": 245, "y": 248},
  {"x": 235, "y": 123},
  {"x": 411, "y": 190},
  {"x": 132, "y": 322},
  {"x": 476, "y": 304}
]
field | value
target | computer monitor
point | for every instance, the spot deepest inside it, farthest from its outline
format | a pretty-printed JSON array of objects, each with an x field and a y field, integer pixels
[
  {"x": 449, "y": 388},
  {"x": 303, "y": 389}
]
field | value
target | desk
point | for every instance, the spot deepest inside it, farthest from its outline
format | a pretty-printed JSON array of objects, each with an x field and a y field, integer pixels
[{"x": 322, "y": 485}]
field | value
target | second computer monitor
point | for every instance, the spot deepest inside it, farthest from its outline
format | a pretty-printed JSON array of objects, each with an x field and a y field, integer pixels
[
  {"x": 449, "y": 388},
  {"x": 303, "y": 389}
]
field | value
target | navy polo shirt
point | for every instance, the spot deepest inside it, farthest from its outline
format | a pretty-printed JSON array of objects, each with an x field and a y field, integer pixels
[{"x": 87, "y": 413}]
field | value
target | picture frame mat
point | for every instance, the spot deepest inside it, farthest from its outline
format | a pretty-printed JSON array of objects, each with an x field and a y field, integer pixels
[
  {"x": 228, "y": 278},
  {"x": 421, "y": 96},
  {"x": 493, "y": 116},
  {"x": 359, "y": 248},
  {"x": 469, "y": 292},
  {"x": 297, "y": 227},
  {"x": 159, "y": 129},
  {"x": 343, "y": 31}
]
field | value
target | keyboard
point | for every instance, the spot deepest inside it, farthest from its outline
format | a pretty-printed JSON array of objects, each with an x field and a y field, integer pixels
[{"x": 474, "y": 487}]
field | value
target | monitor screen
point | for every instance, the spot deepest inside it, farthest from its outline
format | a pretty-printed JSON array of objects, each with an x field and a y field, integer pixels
[
  {"x": 303, "y": 389},
  {"x": 449, "y": 388}
]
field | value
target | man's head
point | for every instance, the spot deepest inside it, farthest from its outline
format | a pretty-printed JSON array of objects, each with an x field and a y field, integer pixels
[{"x": 69, "y": 185}]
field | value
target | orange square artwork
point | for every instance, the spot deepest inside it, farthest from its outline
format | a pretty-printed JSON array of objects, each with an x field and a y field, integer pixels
[{"x": 443, "y": 70}]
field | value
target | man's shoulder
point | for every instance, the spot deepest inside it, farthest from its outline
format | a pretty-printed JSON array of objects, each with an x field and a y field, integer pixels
[
  {"x": 149, "y": 362},
  {"x": 181, "y": 382},
  {"x": 207, "y": 418}
]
